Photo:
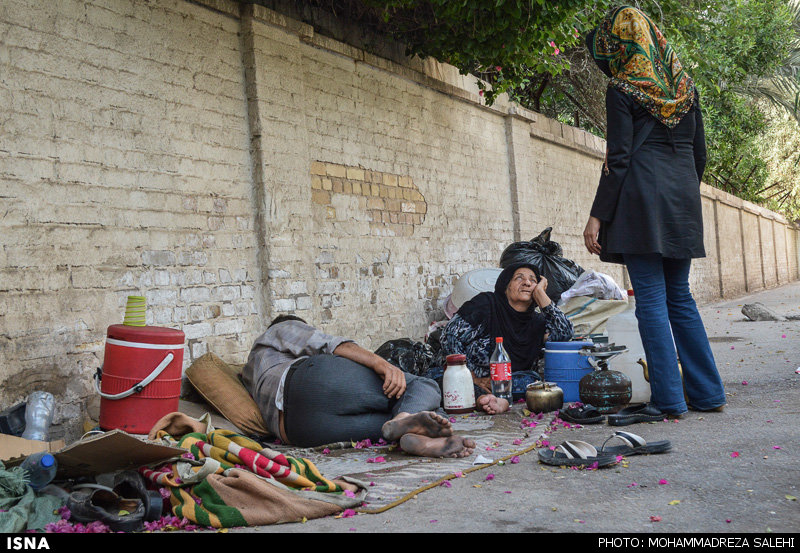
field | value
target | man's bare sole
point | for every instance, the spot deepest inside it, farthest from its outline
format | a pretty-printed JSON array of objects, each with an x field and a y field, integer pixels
[
  {"x": 450, "y": 446},
  {"x": 425, "y": 423}
]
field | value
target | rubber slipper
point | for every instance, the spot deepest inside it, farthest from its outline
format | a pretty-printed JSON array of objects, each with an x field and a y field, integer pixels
[
  {"x": 575, "y": 453},
  {"x": 634, "y": 445},
  {"x": 640, "y": 412},
  {"x": 588, "y": 414}
]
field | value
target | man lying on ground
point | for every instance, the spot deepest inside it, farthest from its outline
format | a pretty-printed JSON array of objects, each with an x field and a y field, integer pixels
[{"x": 314, "y": 389}]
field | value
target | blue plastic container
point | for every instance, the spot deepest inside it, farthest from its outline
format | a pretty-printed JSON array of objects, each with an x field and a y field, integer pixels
[{"x": 565, "y": 366}]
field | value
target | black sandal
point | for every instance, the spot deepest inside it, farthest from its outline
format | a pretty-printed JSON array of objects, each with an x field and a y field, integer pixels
[{"x": 587, "y": 414}]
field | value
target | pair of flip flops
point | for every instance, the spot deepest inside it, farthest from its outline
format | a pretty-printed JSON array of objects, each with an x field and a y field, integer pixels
[
  {"x": 639, "y": 412},
  {"x": 579, "y": 453},
  {"x": 584, "y": 414}
]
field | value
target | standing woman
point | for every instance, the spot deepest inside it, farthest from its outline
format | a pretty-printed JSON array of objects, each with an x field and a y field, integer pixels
[{"x": 647, "y": 213}]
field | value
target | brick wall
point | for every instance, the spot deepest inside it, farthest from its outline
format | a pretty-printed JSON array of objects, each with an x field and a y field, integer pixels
[{"x": 231, "y": 164}]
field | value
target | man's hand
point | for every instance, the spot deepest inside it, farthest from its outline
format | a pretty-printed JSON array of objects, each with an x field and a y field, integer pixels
[{"x": 394, "y": 379}]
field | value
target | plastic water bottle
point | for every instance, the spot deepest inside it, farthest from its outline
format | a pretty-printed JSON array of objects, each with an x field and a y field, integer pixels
[
  {"x": 40, "y": 469},
  {"x": 38, "y": 416},
  {"x": 500, "y": 364},
  {"x": 623, "y": 330}
]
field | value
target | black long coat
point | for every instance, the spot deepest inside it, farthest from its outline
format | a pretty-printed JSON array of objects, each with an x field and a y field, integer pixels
[{"x": 649, "y": 199}]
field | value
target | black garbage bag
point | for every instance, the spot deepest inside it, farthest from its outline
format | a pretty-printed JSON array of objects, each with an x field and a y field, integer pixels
[
  {"x": 547, "y": 256},
  {"x": 410, "y": 356}
]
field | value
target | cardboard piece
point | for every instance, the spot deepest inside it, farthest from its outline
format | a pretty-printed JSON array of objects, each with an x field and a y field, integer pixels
[
  {"x": 107, "y": 452},
  {"x": 111, "y": 451},
  {"x": 14, "y": 449}
]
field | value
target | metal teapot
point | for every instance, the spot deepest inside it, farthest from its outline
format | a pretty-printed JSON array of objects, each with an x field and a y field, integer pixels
[{"x": 543, "y": 397}]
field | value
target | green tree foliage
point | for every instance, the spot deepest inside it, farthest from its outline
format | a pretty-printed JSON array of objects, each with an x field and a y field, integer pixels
[
  {"x": 739, "y": 52},
  {"x": 504, "y": 41}
]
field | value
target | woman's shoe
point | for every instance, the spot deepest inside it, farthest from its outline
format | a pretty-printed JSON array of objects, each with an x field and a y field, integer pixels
[
  {"x": 103, "y": 505},
  {"x": 717, "y": 409},
  {"x": 130, "y": 484}
]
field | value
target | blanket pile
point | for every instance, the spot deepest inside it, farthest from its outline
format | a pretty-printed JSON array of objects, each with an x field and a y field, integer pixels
[{"x": 226, "y": 479}]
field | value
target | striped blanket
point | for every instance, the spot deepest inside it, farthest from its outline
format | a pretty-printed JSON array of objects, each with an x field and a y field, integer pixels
[{"x": 226, "y": 480}]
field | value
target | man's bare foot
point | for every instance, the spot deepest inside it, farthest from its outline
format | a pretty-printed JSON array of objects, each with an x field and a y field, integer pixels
[
  {"x": 425, "y": 423},
  {"x": 492, "y": 404},
  {"x": 451, "y": 446}
]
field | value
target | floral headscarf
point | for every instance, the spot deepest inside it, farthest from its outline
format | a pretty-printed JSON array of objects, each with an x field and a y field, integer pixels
[{"x": 643, "y": 64}]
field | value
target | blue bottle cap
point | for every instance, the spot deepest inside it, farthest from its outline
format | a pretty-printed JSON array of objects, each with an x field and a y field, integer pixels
[{"x": 48, "y": 460}]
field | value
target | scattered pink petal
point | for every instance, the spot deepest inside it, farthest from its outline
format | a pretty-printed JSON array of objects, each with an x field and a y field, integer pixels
[
  {"x": 515, "y": 459},
  {"x": 458, "y": 474},
  {"x": 376, "y": 460},
  {"x": 776, "y": 447},
  {"x": 517, "y": 442},
  {"x": 783, "y": 335},
  {"x": 744, "y": 382},
  {"x": 735, "y": 454},
  {"x": 507, "y": 492},
  {"x": 662, "y": 482},
  {"x": 655, "y": 519},
  {"x": 433, "y": 521},
  {"x": 728, "y": 520},
  {"x": 326, "y": 451},
  {"x": 490, "y": 477},
  {"x": 632, "y": 485},
  {"x": 348, "y": 493},
  {"x": 348, "y": 513},
  {"x": 733, "y": 347},
  {"x": 446, "y": 484}
]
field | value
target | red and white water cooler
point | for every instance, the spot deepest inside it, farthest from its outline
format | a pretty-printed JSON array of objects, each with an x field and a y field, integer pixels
[{"x": 140, "y": 381}]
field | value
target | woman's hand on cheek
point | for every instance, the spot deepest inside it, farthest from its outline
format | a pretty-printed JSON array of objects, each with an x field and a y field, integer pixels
[{"x": 540, "y": 293}]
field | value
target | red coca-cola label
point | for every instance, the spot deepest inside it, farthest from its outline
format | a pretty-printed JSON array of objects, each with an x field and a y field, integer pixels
[{"x": 501, "y": 371}]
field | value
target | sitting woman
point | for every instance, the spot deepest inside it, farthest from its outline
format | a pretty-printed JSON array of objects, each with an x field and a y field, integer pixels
[{"x": 509, "y": 312}]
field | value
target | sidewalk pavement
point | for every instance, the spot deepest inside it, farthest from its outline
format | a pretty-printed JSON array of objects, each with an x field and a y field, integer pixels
[{"x": 731, "y": 472}]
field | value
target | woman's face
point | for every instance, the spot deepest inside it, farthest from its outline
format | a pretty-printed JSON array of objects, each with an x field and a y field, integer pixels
[{"x": 520, "y": 290}]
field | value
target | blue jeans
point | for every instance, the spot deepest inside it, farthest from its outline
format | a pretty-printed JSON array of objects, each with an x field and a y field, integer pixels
[{"x": 669, "y": 320}]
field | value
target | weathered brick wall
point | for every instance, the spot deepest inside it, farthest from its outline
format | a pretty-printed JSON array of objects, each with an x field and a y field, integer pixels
[
  {"x": 124, "y": 169},
  {"x": 231, "y": 164}
]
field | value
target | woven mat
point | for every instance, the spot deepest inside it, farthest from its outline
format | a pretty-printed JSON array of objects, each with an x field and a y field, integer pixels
[{"x": 395, "y": 476}]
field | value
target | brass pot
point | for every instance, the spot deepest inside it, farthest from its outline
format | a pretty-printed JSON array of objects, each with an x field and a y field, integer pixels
[{"x": 543, "y": 397}]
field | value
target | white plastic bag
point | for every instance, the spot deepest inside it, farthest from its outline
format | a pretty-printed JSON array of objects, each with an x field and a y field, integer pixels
[{"x": 594, "y": 285}]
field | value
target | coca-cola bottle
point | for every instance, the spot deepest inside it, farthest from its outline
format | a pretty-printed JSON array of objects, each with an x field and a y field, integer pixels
[{"x": 500, "y": 364}]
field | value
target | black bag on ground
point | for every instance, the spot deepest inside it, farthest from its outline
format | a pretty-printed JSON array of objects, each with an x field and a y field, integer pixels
[
  {"x": 547, "y": 256},
  {"x": 410, "y": 356}
]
